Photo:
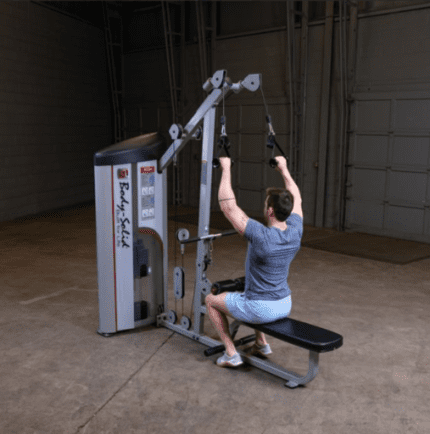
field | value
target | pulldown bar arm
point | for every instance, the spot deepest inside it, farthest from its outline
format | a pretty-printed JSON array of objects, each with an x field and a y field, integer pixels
[
  {"x": 209, "y": 237},
  {"x": 219, "y": 87},
  {"x": 219, "y": 84}
]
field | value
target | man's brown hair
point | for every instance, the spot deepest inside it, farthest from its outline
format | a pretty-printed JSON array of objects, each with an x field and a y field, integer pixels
[{"x": 282, "y": 202}]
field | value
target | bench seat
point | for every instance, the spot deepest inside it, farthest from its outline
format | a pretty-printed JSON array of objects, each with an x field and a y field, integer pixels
[
  {"x": 299, "y": 333},
  {"x": 315, "y": 339}
]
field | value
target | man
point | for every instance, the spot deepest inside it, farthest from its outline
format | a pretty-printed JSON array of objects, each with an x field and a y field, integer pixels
[{"x": 271, "y": 249}]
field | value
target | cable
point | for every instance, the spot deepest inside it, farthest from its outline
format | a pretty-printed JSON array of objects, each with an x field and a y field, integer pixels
[
  {"x": 264, "y": 99},
  {"x": 176, "y": 218},
  {"x": 223, "y": 101}
]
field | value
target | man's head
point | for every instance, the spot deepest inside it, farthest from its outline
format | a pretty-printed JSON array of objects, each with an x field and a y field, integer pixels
[{"x": 278, "y": 205}]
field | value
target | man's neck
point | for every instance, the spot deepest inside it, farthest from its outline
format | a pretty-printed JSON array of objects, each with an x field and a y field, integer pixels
[{"x": 282, "y": 227}]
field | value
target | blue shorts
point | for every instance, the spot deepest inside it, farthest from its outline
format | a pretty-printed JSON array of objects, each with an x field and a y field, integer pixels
[{"x": 257, "y": 311}]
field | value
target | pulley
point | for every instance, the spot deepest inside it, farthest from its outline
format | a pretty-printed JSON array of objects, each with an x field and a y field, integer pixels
[
  {"x": 251, "y": 82},
  {"x": 176, "y": 131},
  {"x": 171, "y": 317},
  {"x": 185, "y": 322},
  {"x": 182, "y": 234},
  {"x": 217, "y": 79},
  {"x": 178, "y": 283},
  {"x": 198, "y": 134}
]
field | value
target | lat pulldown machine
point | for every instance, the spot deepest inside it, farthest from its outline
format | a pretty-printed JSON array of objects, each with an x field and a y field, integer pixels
[
  {"x": 132, "y": 229},
  {"x": 131, "y": 222}
]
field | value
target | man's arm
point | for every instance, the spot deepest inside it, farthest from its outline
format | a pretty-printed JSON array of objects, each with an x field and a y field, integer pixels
[
  {"x": 227, "y": 199},
  {"x": 290, "y": 185}
]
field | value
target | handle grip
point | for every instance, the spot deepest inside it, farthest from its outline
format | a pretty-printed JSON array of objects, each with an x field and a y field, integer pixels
[
  {"x": 273, "y": 163},
  {"x": 216, "y": 163}
]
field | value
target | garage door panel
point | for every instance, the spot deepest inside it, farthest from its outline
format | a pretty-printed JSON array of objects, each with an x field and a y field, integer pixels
[
  {"x": 412, "y": 151},
  {"x": 368, "y": 184},
  {"x": 427, "y": 222},
  {"x": 407, "y": 187},
  {"x": 402, "y": 219},
  {"x": 253, "y": 119},
  {"x": 373, "y": 115},
  {"x": 428, "y": 192},
  {"x": 413, "y": 114},
  {"x": 250, "y": 175},
  {"x": 150, "y": 119},
  {"x": 370, "y": 149},
  {"x": 133, "y": 122},
  {"x": 274, "y": 178},
  {"x": 280, "y": 118},
  {"x": 252, "y": 146},
  {"x": 251, "y": 201},
  {"x": 389, "y": 164},
  {"x": 365, "y": 213}
]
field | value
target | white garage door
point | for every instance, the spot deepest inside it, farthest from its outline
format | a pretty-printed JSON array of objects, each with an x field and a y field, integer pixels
[{"x": 389, "y": 174}]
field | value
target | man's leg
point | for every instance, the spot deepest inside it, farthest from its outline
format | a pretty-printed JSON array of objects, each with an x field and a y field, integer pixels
[{"x": 217, "y": 311}]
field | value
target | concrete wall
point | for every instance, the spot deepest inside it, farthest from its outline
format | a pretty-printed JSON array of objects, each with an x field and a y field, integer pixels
[
  {"x": 54, "y": 108},
  {"x": 54, "y": 98}
]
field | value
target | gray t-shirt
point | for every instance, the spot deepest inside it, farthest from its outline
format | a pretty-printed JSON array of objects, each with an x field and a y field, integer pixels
[{"x": 270, "y": 252}]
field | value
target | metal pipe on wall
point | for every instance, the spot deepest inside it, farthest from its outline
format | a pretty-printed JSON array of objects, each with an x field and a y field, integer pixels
[
  {"x": 203, "y": 32},
  {"x": 295, "y": 98},
  {"x": 201, "y": 37},
  {"x": 169, "y": 66},
  {"x": 202, "y": 76},
  {"x": 172, "y": 62},
  {"x": 291, "y": 6},
  {"x": 304, "y": 74},
  {"x": 346, "y": 119},
  {"x": 342, "y": 113},
  {"x": 351, "y": 59},
  {"x": 214, "y": 36},
  {"x": 289, "y": 55},
  {"x": 324, "y": 117}
]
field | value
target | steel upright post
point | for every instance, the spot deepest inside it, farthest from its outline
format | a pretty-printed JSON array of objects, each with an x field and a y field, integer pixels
[
  {"x": 204, "y": 213},
  {"x": 324, "y": 116}
]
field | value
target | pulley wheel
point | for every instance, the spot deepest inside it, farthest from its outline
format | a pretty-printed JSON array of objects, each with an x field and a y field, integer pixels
[
  {"x": 185, "y": 322},
  {"x": 182, "y": 234},
  {"x": 171, "y": 316}
]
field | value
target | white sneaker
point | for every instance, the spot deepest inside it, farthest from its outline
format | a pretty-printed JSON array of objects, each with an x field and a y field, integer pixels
[
  {"x": 261, "y": 350},
  {"x": 231, "y": 362}
]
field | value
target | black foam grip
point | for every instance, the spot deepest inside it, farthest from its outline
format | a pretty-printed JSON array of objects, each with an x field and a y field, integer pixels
[
  {"x": 216, "y": 163},
  {"x": 228, "y": 286},
  {"x": 241, "y": 283}
]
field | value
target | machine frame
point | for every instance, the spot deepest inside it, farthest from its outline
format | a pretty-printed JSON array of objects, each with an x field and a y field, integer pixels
[{"x": 206, "y": 113}]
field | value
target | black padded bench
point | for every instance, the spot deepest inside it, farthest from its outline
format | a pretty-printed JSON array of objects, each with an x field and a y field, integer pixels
[{"x": 315, "y": 339}]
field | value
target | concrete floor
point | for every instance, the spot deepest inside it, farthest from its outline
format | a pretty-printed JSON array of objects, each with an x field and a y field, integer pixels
[{"x": 59, "y": 376}]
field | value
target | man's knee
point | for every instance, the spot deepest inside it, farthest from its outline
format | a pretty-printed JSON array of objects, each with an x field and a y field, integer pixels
[{"x": 209, "y": 299}]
